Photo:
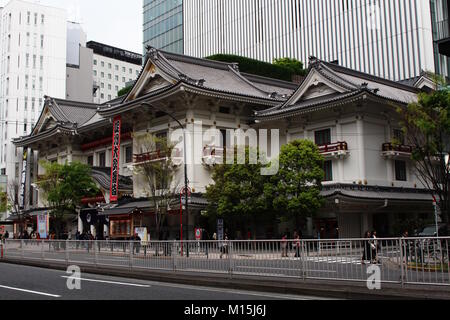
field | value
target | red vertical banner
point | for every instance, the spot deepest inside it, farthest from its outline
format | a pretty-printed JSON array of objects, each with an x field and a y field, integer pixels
[{"x": 115, "y": 160}]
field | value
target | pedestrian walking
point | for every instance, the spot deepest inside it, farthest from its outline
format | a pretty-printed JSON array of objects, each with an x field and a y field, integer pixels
[
  {"x": 367, "y": 248},
  {"x": 224, "y": 248},
  {"x": 137, "y": 243},
  {"x": 375, "y": 247},
  {"x": 405, "y": 246},
  {"x": 284, "y": 246},
  {"x": 296, "y": 244}
]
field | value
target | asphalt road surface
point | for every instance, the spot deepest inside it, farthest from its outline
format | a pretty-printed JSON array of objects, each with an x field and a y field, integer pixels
[{"x": 31, "y": 283}]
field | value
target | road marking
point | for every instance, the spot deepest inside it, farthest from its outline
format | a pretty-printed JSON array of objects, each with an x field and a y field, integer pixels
[
  {"x": 30, "y": 291},
  {"x": 110, "y": 282}
]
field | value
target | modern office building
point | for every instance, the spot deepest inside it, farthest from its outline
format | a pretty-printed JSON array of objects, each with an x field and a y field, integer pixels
[
  {"x": 113, "y": 69},
  {"x": 33, "y": 64},
  {"x": 163, "y": 24},
  {"x": 441, "y": 34},
  {"x": 80, "y": 62},
  {"x": 390, "y": 39}
]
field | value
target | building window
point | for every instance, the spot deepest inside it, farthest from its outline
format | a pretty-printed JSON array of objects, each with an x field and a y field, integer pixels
[
  {"x": 102, "y": 159},
  {"x": 328, "y": 169},
  {"x": 128, "y": 154},
  {"x": 109, "y": 76},
  {"x": 109, "y": 97},
  {"x": 131, "y": 71},
  {"x": 25, "y": 127},
  {"x": 102, "y": 85},
  {"x": 399, "y": 137},
  {"x": 27, "y": 60},
  {"x": 42, "y": 41},
  {"x": 123, "y": 79},
  {"x": 35, "y": 18},
  {"x": 95, "y": 62},
  {"x": 116, "y": 67},
  {"x": 102, "y": 74},
  {"x": 117, "y": 78},
  {"x": 95, "y": 73},
  {"x": 41, "y": 85},
  {"x": 103, "y": 63},
  {"x": 102, "y": 96},
  {"x": 123, "y": 69},
  {"x": 33, "y": 102},
  {"x": 323, "y": 137},
  {"x": 42, "y": 19},
  {"x": 26, "y": 104},
  {"x": 109, "y": 87},
  {"x": 109, "y": 65},
  {"x": 28, "y": 17},
  {"x": 400, "y": 170},
  {"x": 90, "y": 161},
  {"x": 34, "y": 61},
  {"x": 26, "y": 81},
  {"x": 41, "y": 62}
]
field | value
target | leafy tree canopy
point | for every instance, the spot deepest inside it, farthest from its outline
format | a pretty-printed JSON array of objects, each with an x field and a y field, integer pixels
[
  {"x": 124, "y": 91},
  {"x": 292, "y": 64}
]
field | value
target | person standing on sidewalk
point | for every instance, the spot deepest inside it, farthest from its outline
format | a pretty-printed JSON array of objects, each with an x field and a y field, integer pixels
[
  {"x": 367, "y": 248},
  {"x": 284, "y": 245},
  {"x": 297, "y": 244}
]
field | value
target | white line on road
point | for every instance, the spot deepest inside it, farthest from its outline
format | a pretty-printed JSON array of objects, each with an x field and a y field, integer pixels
[
  {"x": 30, "y": 291},
  {"x": 110, "y": 282}
]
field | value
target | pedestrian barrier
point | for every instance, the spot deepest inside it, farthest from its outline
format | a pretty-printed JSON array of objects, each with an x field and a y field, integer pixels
[{"x": 399, "y": 260}]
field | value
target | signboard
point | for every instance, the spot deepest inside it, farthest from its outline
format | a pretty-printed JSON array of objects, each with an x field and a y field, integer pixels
[
  {"x": 219, "y": 229},
  {"x": 198, "y": 234},
  {"x": 142, "y": 233},
  {"x": 23, "y": 180},
  {"x": 115, "y": 160},
  {"x": 42, "y": 225}
]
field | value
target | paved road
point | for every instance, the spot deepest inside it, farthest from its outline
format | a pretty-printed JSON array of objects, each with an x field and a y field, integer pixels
[{"x": 31, "y": 283}]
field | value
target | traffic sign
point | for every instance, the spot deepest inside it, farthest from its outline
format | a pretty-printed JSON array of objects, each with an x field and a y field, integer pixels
[{"x": 198, "y": 234}]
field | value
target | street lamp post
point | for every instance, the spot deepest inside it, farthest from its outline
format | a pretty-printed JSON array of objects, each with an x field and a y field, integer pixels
[{"x": 185, "y": 172}]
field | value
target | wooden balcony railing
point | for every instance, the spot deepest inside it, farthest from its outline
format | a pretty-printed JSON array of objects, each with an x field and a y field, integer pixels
[
  {"x": 158, "y": 155},
  {"x": 333, "y": 147},
  {"x": 397, "y": 148}
]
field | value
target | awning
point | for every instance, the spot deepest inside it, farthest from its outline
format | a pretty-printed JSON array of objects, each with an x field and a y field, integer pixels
[{"x": 117, "y": 211}]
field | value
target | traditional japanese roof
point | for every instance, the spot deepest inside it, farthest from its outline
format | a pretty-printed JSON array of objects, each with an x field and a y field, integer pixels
[
  {"x": 167, "y": 73},
  {"x": 328, "y": 85},
  {"x": 376, "y": 193},
  {"x": 103, "y": 176}
]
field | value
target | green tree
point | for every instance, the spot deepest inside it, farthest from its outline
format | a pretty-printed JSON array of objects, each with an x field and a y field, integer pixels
[
  {"x": 124, "y": 91},
  {"x": 64, "y": 186},
  {"x": 295, "y": 190},
  {"x": 293, "y": 64},
  {"x": 237, "y": 194},
  {"x": 426, "y": 124},
  {"x": 3, "y": 201},
  {"x": 158, "y": 169}
]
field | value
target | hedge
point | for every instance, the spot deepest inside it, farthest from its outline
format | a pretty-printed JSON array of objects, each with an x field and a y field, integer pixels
[{"x": 256, "y": 67}]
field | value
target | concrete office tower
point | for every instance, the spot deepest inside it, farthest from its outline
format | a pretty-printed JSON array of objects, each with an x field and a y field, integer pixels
[
  {"x": 391, "y": 39},
  {"x": 80, "y": 80},
  {"x": 113, "y": 70},
  {"x": 33, "y": 64},
  {"x": 440, "y": 13},
  {"x": 163, "y": 25}
]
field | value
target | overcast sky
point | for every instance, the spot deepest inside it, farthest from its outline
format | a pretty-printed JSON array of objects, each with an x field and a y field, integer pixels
[{"x": 114, "y": 22}]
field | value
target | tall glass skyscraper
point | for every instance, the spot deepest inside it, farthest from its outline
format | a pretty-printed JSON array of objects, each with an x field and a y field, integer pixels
[{"x": 163, "y": 25}]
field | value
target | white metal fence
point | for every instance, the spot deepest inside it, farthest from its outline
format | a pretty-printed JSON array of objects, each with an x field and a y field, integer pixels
[{"x": 400, "y": 260}]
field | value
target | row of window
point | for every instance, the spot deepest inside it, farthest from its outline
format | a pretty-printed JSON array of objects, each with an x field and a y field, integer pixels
[
  {"x": 28, "y": 36},
  {"x": 101, "y": 156},
  {"x": 116, "y": 77},
  {"x": 116, "y": 67}
]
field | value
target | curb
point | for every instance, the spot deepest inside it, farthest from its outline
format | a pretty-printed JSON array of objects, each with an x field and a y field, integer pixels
[{"x": 318, "y": 288}]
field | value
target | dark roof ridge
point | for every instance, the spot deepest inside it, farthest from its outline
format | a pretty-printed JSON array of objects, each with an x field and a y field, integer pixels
[
  {"x": 269, "y": 81},
  {"x": 73, "y": 103},
  {"x": 197, "y": 61},
  {"x": 368, "y": 76}
]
